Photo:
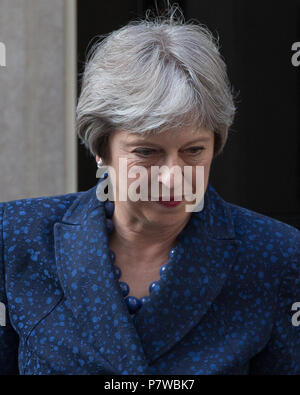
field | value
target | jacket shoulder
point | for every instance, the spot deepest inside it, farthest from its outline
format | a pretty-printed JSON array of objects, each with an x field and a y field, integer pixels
[
  {"x": 246, "y": 220},
  {"x": 260, "y": 232},
  {"x": 30, "y": 210},
  {"x": 29, "y": 220}
]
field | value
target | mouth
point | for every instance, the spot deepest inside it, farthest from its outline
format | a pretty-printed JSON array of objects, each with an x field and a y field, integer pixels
[
  {"x": 171, "y": 199},
  {"x": 171, "y": 202}
]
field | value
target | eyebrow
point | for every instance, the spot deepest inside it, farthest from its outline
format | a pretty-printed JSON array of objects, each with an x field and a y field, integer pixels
[
  {"x": 203, "y": 138},
  {"x": 140, "y": 142}
]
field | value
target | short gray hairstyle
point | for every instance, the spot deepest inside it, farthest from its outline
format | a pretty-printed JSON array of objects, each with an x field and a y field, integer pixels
[{"x": 152, "y": 75}]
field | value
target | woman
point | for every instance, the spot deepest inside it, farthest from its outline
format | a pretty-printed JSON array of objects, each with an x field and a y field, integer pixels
[{"x": 148, "y": 286}]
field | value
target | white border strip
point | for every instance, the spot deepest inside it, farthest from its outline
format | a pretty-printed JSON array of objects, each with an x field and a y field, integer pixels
[{"x": 70, "y": 96}]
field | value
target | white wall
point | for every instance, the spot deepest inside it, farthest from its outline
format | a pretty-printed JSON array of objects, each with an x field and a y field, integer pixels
[{"x": 37, "y": 98}]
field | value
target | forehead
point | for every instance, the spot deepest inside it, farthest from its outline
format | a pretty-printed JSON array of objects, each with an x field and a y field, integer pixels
[{"x": 179, "y": 136}]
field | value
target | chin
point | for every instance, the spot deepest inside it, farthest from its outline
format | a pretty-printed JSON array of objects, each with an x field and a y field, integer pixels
[{"x": 160, "y": 214}]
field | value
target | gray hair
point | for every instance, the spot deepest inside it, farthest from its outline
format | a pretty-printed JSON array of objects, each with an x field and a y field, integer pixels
[{"x": 153, "y": 75}]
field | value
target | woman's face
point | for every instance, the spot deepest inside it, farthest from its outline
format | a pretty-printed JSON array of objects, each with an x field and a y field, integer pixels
[{"x": 184, "y": 147}]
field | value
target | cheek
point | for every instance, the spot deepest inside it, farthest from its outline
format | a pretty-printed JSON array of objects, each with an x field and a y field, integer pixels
[
  {"x": 206, "y": 171},
  {"x": 201, "y": 173}
]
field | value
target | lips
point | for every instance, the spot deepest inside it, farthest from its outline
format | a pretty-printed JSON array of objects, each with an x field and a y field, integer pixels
[
  {"x": 171, "y": 199},
  {"x": 169, "y": 204}
]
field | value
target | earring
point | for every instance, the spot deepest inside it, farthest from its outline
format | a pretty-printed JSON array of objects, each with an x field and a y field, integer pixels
[
  {"x": 99, "y": 163},
  {"x": 102, "y": 170},
  {"x": 104, "y": 189}
]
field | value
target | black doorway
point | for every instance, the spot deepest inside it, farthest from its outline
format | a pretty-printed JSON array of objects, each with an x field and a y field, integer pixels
[{"x": 260, "y": 167}]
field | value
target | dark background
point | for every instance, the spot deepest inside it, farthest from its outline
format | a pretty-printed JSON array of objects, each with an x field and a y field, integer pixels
[{"x": 260, "y": 167}]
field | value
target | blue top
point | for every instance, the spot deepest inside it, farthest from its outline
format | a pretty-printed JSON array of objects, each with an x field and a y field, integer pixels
[{"x": 224, "y": 306}]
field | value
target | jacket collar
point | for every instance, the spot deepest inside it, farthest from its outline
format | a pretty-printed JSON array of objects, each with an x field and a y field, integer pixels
[{"x": 206, "y": 251}]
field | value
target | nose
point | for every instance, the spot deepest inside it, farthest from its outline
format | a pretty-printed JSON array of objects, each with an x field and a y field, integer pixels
[{"x": 171, "y": 173}]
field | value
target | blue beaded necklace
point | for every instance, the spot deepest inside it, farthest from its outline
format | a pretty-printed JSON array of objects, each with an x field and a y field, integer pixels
[{"x": 134, "y": 304}]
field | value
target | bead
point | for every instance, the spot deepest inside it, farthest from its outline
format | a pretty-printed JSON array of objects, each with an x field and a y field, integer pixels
[
  {"x": 124, "y": 288},
  {"x": 133, "y": 304},
  {"x": 109, "y": 208},
  {"x": 162, "y": 270},
  {"x": 109, "y": 225},
  {"x": 118, "y": 272},
  {"x": 154, "y": 286},
  {"x": 145, "y": 299},
  {"x": 112, "y": 255},
  {"x": 172, "y": 252}
]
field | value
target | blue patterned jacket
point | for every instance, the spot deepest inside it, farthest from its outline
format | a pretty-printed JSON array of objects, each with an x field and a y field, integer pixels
[{"x": 224, "y": 305}]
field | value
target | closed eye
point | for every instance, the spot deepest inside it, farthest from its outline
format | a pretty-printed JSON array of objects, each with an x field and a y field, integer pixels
[
  {"x": 195, "y": 150},
  {"x": 144, "y": 151}
]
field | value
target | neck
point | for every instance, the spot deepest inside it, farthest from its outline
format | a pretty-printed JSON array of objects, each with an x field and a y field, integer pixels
[{"x": 141, "y": 241}]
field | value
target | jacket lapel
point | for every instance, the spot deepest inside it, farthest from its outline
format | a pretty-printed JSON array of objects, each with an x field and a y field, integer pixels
[
  {"x": 86, "y": 275},
  {"x": 206, "y": 250}
]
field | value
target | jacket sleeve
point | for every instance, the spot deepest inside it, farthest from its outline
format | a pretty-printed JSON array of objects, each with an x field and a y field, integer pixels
[
  {"x": 8, "y": 337},
  {"x": 281, "y": 355}
]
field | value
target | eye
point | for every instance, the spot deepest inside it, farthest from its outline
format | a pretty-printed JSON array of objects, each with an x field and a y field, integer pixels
[
  {"x": 144, "y": 151},
  {"x": 195, "y": 150}
]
